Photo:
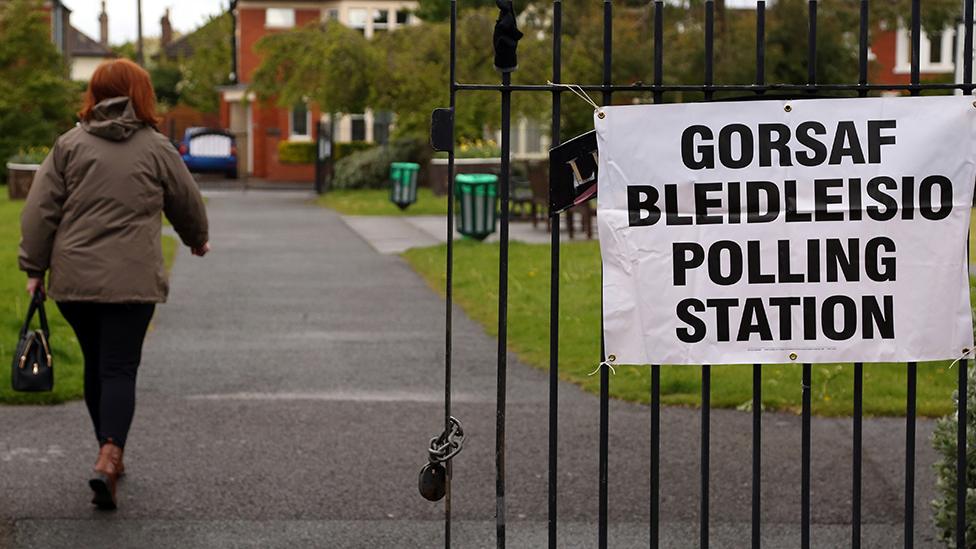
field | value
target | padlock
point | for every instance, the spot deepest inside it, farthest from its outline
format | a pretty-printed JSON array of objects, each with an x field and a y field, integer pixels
[{"x": 433, "y": 481}]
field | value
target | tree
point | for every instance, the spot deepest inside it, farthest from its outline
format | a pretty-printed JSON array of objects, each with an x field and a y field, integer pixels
[
  {"x": 330, "y": 65},
  {"x": 209, "y": 66},
  {"x": 37, "y": 100}
]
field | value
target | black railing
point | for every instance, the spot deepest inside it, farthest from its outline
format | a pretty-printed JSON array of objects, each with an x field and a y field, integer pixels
[{"x": 708, "y": 88}]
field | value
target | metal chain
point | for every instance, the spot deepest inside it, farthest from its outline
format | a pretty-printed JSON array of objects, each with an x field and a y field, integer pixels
[{"x": 448, "y": 444}]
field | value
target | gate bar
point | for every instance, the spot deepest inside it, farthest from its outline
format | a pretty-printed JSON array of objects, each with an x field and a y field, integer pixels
[
  {"x": 706, "y": 370},
  {"x": 706, "y": 396},
  {"x": 502, "y": 316},
  {"x": 806, "y": 382},
  {"x": 805, "y": 461},
  {"x": 757, "y": 368},
  {"x": 912, "y": 367},
  {"x": 554, "y": 243},
  {"x": 745, "y": 88},
  {"x": 655, "y": 535},
  {"x": 449, "y": 286},
  {"x": 605, "y": 371},
  {"x": 961, "y": 480},
  {"x": 862, "y": 81},
  {"x": 910, "y": 457},
  {"x": 856, "y": 465}
]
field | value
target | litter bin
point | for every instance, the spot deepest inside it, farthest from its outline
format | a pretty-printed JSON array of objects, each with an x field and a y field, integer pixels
[
  {"x": 403, "y": 189},
  {"x": 477, "y": 195}
]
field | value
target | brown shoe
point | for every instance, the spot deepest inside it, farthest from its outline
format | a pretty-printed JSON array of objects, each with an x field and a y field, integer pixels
[{"x": 106, "y": 476}]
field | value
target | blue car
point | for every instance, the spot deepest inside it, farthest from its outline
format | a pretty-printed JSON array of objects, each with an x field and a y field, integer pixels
[{"x": 208, "y": 150}]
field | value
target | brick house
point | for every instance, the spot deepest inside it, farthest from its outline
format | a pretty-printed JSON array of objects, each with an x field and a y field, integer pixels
[
  {"x": 891, "y": 54},
  {"x": 260, "y": 126}
]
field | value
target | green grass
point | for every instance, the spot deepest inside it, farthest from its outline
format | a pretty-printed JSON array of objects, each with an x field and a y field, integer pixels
[
  {"x": 377, "y": 202},
  {"x": 68, "y": 363},
  {"x": 476, "y": 290}
]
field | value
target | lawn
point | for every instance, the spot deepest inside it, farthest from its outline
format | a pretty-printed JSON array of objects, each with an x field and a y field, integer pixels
[
  {"x": 377, "y": 202},
  {"x": 68, "y": 382},
  {"x": 476, "y": 290}
]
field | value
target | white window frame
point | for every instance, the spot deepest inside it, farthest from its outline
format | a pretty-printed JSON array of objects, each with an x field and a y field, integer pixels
[
  {"x": 903, "y": 54},
  {"x": 286, "y": 21},
  {"x": 377, "y": 26},
  {"x": 292, "y": 136}
]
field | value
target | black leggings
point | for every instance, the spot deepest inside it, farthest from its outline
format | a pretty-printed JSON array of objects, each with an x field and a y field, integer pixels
[{"x": 111, "y": 336}]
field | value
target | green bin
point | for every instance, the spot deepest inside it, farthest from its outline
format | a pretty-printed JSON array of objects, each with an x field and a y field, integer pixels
[
  {"x": 476, "y": 193},
  {"x": 403, "y": 188}
]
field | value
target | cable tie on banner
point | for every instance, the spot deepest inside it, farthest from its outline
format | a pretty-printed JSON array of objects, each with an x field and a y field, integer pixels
[
  {"x": 966, "y": 353},
  {"x": 602, "y": 364},
  {"x": 581, "y": 93}
]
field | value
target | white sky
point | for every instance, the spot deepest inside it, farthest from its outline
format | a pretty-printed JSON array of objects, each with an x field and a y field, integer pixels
[{"x": 185, "y": 16}]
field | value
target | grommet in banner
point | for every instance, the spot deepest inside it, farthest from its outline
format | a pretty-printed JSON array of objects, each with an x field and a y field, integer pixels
[
  {"x": 974, "y": 103},
  {"x": 611, "y": 358},
  {"x": 601, "y": 115},
  {"x": 793, "y": 356},
  {"x": 788, "y": 108}
]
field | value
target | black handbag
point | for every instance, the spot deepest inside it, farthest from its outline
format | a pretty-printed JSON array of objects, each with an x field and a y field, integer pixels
[{"x": 33, "y": 366}]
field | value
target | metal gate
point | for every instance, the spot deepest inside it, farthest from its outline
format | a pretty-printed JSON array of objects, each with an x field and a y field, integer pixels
[{"x": 441, "y": 447}]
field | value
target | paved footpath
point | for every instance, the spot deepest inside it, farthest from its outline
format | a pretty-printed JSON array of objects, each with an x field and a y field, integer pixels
[{"x": 289, "y": 388}]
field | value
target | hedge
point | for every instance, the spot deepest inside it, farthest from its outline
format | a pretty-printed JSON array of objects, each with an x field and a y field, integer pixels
[
  {"x": 944, "y": 441},
  {"x": 370, "y": 169},
  {"x": 296, "y": 152},
  {"x": 346, "y": 148}
]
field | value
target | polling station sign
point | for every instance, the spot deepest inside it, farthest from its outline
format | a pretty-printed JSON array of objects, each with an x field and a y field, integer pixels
[{"x": 821, "y": 230}]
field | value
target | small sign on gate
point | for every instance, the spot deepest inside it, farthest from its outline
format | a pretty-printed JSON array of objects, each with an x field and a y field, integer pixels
[{"x": 572, "y": 173}]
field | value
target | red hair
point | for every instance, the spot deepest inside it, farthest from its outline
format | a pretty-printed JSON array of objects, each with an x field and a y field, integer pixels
[{"x": 118, "y": 78}]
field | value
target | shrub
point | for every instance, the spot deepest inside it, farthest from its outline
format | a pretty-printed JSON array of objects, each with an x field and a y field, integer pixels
[
  {"x": 344, "y": 149},
  {"x": 296, "y": 152},
  {"x": 944, "y": 441},
  {"x": 30, "y": 155},
  {"x": 370, "y": 169}
]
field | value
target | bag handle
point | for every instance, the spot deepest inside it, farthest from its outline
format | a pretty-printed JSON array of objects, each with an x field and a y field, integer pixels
[{"x": 36, "y": 306}]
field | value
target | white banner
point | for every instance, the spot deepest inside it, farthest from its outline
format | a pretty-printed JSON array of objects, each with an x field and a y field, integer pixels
[{"x": 786, "y": 231}]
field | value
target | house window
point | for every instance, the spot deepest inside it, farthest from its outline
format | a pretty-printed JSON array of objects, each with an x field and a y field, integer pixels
[
  {"x": 381, "y": 20},
  {"x": 299, "y": 122},
  {"x": 935, "y": 48},
  {"x": 279, "y": 18},
  {"x": 382, "y": 120},
  {"x": 357, "y": 19},
  {"x": 402, "y": 17},
  {"x": 333, "y": 15},
  {"x": 358, "y": 127}
]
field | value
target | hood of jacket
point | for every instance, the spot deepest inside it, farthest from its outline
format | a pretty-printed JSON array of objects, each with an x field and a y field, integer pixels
[{"x": 113, "y": 119}]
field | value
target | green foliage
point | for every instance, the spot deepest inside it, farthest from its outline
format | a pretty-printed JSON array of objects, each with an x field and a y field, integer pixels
[
  {"x": 37, "y": 100},
  {"x": 209, "y": 66},
  {"x": 370, "y": 169},
  {"x": 440, "y": 10},
  {"x": 944, "y": 441},
  {"x": 329, "y": 65},
  {"x": 166, "y": 77},
  {"x": 296, "y": 152},
  {"x": 30, "y": 155},
  {"x": 377, "y": 202},
  {"x": 346, "y": 148}
]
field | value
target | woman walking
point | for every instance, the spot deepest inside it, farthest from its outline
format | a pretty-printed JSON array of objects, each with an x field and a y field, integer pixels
[{"x": 92, "y": 223}]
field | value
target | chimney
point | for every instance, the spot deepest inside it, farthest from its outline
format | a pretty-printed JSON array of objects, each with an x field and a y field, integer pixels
[
  {"x": 167, "y": 30},
  {"x": 103, "y": 26}
]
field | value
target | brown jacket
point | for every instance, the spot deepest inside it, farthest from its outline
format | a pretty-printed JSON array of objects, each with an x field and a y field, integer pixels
[{"x": 92, "y": 216}]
